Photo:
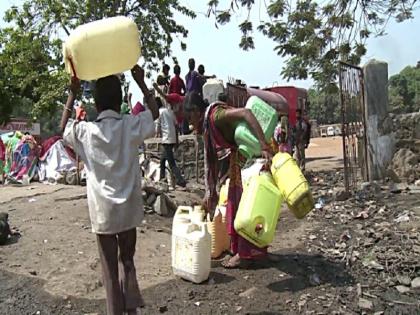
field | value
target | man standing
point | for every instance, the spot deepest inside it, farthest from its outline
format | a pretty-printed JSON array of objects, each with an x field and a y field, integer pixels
[
  {"x": 301, "y": 133},
  {"x": 163, "y": 78},
  {"x": 166, "y": 129},
  {"x": 177, "y": 85},
  {"x": 192, "y": 78}
]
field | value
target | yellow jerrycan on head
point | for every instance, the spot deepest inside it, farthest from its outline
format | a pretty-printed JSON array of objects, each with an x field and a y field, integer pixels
[
  {"x": 259, "y": 210},
  {"x": 101, "y": 48},
  {"x": 292, "y": 184}
]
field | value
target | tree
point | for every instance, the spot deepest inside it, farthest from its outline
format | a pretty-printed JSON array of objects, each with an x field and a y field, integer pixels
[
  {"x": 324, "y": 107},
  {"x": 314, "y": 35},
  {"x": 404, "y": 90},
  {"x": 30, "y": 46}
]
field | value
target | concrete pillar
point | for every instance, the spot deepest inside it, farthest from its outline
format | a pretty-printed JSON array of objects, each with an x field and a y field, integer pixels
[{"x": 380, "y": 139}]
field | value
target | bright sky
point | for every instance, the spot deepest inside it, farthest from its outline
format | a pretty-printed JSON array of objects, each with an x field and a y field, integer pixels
[{"x": 218, "y": 49}]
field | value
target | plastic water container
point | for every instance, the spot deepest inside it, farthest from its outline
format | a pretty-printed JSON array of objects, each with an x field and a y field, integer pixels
[
  {"x": 220, "y": 239},
  {"x": 223, "y": 196},
  {"x": 259, "y": 210},
  {"x": 211, "y": 90},
  {"x": 292, "y": 184},
  {"x": 191, "y": 247},
  {"x": 101, "y": 48},
  {"x": 248, "y": 144}
]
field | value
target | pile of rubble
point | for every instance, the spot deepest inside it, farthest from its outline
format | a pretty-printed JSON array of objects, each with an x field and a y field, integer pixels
[{"x": 375, "y": 235}]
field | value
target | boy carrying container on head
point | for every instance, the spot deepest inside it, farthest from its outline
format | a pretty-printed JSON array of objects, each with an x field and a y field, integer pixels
[{"x": 109, "y": 148}]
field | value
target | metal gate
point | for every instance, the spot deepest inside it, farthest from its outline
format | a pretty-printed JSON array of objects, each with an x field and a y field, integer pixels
[{"x": 353, "y": 125}]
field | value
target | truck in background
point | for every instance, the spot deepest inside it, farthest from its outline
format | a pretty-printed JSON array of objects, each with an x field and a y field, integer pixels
[{"x": 296, "y": 97}]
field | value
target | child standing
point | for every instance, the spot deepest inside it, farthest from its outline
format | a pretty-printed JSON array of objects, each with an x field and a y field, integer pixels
[{"x": 109, "y": 148}]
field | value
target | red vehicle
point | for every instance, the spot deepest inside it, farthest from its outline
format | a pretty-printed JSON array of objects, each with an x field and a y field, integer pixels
[
  {"x": 296, "y": 98},
  {"x": 238, "y": 96}
]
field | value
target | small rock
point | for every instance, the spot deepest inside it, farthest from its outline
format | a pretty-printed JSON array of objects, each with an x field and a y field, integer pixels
[
  {"x": 288, "y": 301},
  {"x": 248, "y": 293},
  {"x": 379, "y": 313},
  {"x": 33, "y": 273},
  {"x": 197, "y": 303},
  {"x": 312, "y": 237},
  {"x": 163, "y": 309},
  {"x": 341, "y": 195},
  {"x": 365, "y": 304},
  {"x": 314, "y": 280},
  {"x": 38, "y": 313},
  {"x": 160, "y": 206},
  {"x": 238, "y": 309},
  {"x": 402, "y": 288},
  {"x": 404, "y": 280},
  {"x": 415, "y": 283},
  {"x": 417, "y": 183}
]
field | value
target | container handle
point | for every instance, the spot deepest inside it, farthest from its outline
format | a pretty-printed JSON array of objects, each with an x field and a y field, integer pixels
[{"x": 72, "y": 67}]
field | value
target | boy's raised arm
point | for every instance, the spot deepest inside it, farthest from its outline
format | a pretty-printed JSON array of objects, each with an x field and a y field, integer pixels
[
  {"x": 68, "y": 108},
  {"x": 138, "y": 75}
]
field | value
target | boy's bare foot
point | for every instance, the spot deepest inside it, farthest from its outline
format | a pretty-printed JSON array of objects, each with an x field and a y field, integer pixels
[{"x": 232, "y": 262}]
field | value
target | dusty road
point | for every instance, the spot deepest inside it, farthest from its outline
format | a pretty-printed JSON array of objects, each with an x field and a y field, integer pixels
[{"x": 53, "y": 267}]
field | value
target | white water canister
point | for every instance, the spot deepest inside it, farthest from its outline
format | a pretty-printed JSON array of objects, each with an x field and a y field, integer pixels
[
  {"x": 101, "y": 48},
  {"x": 191, "y": 247},
  {"x": 211, "y": 90}
]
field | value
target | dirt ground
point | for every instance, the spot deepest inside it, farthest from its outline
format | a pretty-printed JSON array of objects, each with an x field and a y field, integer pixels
[{"x": 53, "y": 267}]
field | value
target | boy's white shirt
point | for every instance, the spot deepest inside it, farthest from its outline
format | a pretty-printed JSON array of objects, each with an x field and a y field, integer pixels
[{"x": 109, "y": 149}]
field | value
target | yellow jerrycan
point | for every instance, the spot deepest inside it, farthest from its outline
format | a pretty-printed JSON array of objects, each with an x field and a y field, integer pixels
[
  {"x": 292, "y": 184},
  {"x": 101, "y": 48},
  {"x": 220, "y": 239},
  {"x": 259, "y": 210}
]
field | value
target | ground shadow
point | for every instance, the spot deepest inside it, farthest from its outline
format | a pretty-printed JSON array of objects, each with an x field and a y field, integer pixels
[
  {"x": 25, "y": 295},
  {"x": 13, "y": 239},
  {"x": 303, "y": 271}
]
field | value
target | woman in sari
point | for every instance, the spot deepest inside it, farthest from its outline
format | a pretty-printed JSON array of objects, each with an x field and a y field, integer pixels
[{"x": 218, "y": 122}]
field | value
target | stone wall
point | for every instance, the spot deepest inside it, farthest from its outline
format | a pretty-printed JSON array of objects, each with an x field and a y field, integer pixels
[{"x": 190, "y": 150}]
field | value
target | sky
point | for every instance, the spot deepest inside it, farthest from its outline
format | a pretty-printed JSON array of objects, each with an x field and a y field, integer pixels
[{"x": 219, "y": 52}]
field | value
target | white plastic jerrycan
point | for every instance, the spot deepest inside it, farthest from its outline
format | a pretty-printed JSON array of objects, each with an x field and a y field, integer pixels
[
  {"x": 211, "y": 90},
  {"x": 191, "y": 247},
  {"x": 101, "y": 48}
]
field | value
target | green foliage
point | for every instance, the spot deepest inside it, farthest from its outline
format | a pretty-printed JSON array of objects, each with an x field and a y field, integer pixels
[
  {"x": 32, "y": 78},
  {"x": 314, "y": 35},
  {"x": 325, "y": 106},
  {"x": 404, "y": 90}
]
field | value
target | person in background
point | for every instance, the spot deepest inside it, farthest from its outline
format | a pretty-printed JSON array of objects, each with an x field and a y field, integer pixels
[
  {"x": 301, "y": 130},
  {"x": 282, "y": 135},
  {"x": 126, "y": 106},
  {"x": 177, "y": 85},
  {"x": 220, "y": 121},
  {"x": 192, "y": 79},
  {"x": 203, "y": 77},
  {"x": 163, "y": 78},
  {"x": 108, "y": 147},
  {"x": 167, "y": 130},
  {"x": 307, "y": 136},
  {"x": 2, "y": 159},
  {"x": 174, "y": 101}
]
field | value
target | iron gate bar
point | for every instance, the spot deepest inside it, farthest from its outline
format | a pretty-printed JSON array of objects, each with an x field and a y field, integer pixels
[{"x": 353, "y": 126}]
